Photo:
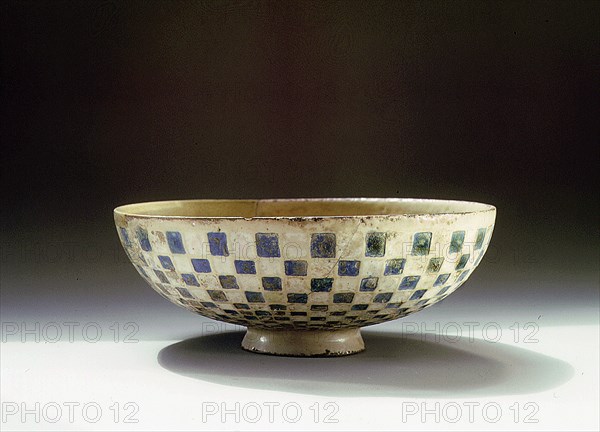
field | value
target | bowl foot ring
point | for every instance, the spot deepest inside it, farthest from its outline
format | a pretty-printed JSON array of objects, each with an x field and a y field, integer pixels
[{"x": 304, "y": 343}]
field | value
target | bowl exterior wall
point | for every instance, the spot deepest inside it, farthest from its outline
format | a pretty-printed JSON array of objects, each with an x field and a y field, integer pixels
[{"x": 306, "y": 273}]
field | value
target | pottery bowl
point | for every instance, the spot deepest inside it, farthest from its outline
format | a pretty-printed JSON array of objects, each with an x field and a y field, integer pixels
[{"x": 303, "y": 275}]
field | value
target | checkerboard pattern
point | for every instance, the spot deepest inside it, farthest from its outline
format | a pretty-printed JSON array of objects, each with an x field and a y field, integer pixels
[{"x": 259, "y": 285}]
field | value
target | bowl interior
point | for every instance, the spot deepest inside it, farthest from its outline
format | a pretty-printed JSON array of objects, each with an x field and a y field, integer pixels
[{"x": 332, "y": 207}]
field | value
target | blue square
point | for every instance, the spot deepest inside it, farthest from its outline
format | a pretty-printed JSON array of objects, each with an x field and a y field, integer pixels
[
  {"x": 244, "y": 267},
  {"x": 343, "y": 297},
  {"x": 321, "y": 284},
  {"x": 125, "y": 237},
  {"x": 263, "y": 313},
  {"x": 480, "y": 238},
  {"x": 417, "y": 294},
  {"x": 441, "y": 279},
  {"x": 254, "y": 297},
  {"x": 175, "y": 242},
  {"x": 217, "y": 242},
  {"x": 375, "y": 244},
  {"x": 348, "y": 268},
  {"x": 462, "y": 276},
  {"x": 142, "y": 236},
  {"x": 409, "y": 282},
  {"x": 369, "y": 284},
  {"x": 241, "y": 306},
  {"x": 464, "y": 259},
  {"x": 271, "y": 283},
  {"x": 162, "y": 290},
  {"x": 184, "y": 292},
  {"x": 456, "y": 244},
  {"x": 295, "y": 268},
  {"x": 190, "y": 279},
  {"x": 201, "y": 265},
  {"x": 228, "y": 282},
  {"x": 297, "y": 298},
  {"x": 359, "y": 307},
  {"x": 161, "y": 276},
  {"x": 166, "y": 262},
  {"x": 267, "y": 245},
  {"x": 208, "y": 304},
  {"x": 478, "y": 260},
  {"x": 278, "y": 307},
  {"x": 216, "y": 295},
  {"x": 322, "y": 245},
  {"x": 382, "y": 297},
  {"x": 394, "y": 267},
  {"x": 319, "y": 308},
  {"x": 421, "y": 243},
  {"x": 435, "y": 264},
  {"x": 443, "y": 291},
  {"x": 142, "y": 271}
]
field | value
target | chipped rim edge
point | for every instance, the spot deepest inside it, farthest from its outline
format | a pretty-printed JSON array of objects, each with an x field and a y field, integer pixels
[{"x": 122, "y": 209}]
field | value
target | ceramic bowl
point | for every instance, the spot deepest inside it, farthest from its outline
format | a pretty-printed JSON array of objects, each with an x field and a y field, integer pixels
[{"x": 303, "y": 275}]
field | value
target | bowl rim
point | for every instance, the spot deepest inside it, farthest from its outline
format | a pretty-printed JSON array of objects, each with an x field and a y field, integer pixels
[{"x": 129, "y": 210}]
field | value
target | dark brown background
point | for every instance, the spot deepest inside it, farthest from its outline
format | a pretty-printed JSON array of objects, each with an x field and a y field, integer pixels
[{"x": 105, "y": 103}]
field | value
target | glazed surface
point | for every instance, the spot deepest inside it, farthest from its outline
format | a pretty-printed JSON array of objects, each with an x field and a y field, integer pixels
[
  {"x": 319, "y": 273},
  {"x": 314, "y": 207}
]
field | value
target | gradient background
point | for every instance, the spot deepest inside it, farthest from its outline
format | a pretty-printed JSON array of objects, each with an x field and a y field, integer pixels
[{"x": 107, "y": 103}]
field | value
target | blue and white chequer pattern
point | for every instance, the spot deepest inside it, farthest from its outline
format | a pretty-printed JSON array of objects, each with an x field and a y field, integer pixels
[{"x": 292, "y": 276}]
